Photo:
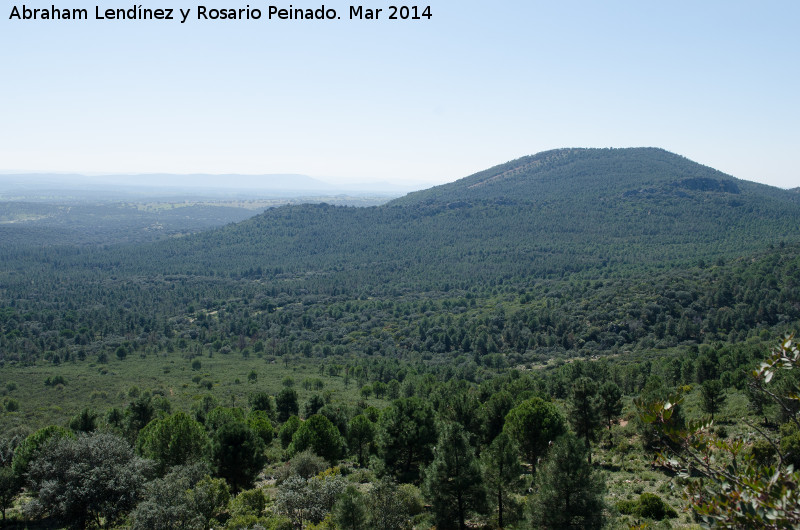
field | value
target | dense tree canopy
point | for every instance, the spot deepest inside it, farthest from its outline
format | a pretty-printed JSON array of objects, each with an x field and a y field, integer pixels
[
  {"x": 320, "y": 435},
  {"x": 533, "y": 425},
  {"x": 408, "y": 432},
  {"x": 172, "y": 441},
  {"x": 237, "y": 454},
  {"x": 87, "y": 479}
]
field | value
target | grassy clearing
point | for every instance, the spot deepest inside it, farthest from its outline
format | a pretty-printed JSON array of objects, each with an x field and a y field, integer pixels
[{"x": 101, "y": 386}]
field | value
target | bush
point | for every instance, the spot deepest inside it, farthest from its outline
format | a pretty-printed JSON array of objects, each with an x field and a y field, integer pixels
[
  {"x": 385, "y": 507},
  {"x": 308, "y": 500},
  {"x": 167, "y": 502},
  {"x": 248, "y": 503},
  {"x": 648, "y": 505},
  {"x": 628, "y": 507},
  {"x": 763, "y": 452},
  {"x": 790, "y": 444},
  {"x": 55, "y": 381},
  {"x": 307, "y": 464},
  {"x": 411, "y": 498},
  {"x": 209, "y": 498},
  {"x": 653, "y": 507}
]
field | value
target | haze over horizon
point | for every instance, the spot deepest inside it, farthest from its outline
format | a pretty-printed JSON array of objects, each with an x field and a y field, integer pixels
[
  {"x": 203, "y": 183},
  {"x": 215, "y": 183},
  {"x": 427, "y": 101}
]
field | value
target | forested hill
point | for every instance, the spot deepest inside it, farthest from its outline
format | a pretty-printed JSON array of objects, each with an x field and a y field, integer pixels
[
  {"x": 592, "y": 211},
  {"x": 591, "y": 174}
]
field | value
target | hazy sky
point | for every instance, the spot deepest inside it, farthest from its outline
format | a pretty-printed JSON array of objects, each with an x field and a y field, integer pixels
[{"x": 427, "y": 101}]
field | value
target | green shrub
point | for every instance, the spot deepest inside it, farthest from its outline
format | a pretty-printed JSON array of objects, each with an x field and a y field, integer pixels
[
  {"x": 55, "y": 381},
  {"x": 628, "y": 507},
  {"x": 790, "y": 444},
  {"x": 653, "y": 507},
  {"x": 648, "y": 505},
  {"x": 763, "y": 452},
  {"x": 248, "y": 503},
  {"x": 307, "y": 464}
]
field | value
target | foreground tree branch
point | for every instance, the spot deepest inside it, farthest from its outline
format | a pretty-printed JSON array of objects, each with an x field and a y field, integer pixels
[{"x": 732, "y": 489}]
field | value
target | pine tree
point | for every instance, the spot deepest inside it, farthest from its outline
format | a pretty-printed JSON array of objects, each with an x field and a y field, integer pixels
[
  {"x": 361, "y": 435},
  {"x": 584, "y": 411},
  {"x": 172, "y": 440},
  {"x": 533, "y": 424},
  {"x": 237, "y": 453},
  {"x": 610, "y": 402},
  {"x": 407, "y": 433},
  {"x": 713, "y": 395},
  {"x": 286, "y": 404},
  {"x": 453, "y": 481},
  {"x": 349, "y": 512},
  {"x": 502, "y": 472},
  {"x": 567, "y": 492}
]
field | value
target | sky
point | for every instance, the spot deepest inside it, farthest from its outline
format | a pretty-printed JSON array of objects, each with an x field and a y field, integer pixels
[{"x": 413, "y": 101}]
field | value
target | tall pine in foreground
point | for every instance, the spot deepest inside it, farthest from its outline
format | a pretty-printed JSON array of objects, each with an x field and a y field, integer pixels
[
  {"x": 453, "y": 481},
  {"x": 407, "y": 433},
  {"x": 567, "y": 491},
  {"x": 502, "y": 472}
]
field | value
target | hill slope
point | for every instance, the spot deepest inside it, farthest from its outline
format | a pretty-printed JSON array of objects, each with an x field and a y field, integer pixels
[
  {"x": 570, "y": 174},
  {"x": 555, "y": 213}
]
